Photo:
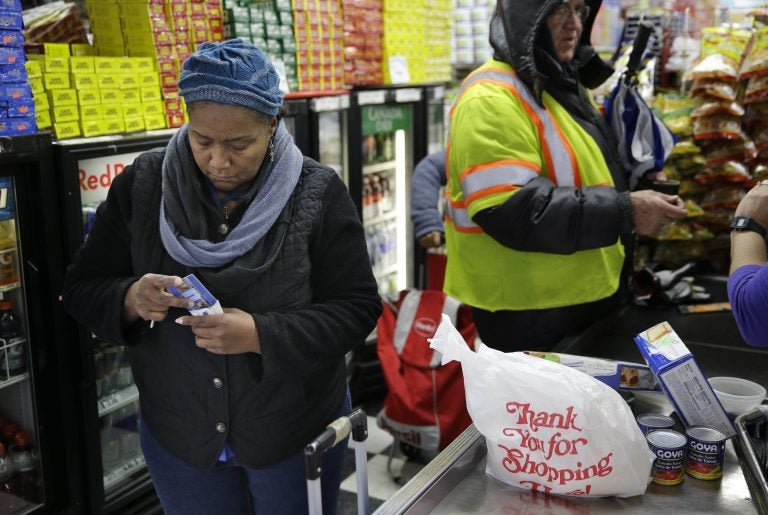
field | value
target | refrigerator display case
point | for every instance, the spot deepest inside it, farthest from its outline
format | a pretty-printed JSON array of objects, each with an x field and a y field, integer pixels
[
  {"x": 39, "y": 466},
  {"x": 386, "y": 133},
  {"x": 328, "y": 128},
  {"x": 437, "y": 129},
  {"x": 295, "y": 116},
  {"x": 115, "y": 472}
]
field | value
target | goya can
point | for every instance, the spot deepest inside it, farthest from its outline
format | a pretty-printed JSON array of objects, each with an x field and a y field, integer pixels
[
  {"x": 669, "y": 448},
  {"x": 651, "y": 422},
  {"x": 706, "y": 451}
]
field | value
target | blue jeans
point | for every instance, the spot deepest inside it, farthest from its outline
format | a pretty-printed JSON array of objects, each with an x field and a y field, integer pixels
[{"x": 231, "y": 488}]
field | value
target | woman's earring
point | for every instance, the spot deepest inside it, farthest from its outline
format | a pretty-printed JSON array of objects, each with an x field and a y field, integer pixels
[{"x": 272, "y": 148}]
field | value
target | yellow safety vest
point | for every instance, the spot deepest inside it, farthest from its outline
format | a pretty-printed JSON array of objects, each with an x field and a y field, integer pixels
[{"x": 501, "y": 139}]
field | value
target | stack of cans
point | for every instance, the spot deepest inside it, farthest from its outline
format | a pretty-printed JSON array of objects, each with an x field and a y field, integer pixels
[{"x": 699, "y": 452}]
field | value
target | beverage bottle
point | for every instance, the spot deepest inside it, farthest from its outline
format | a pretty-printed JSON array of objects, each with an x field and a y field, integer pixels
[
  {"x": 8, "y": 264},
  {"x": 12, "y": 351},
  {"x": 9, "y": 433},
  {"x": 6, "y": 472},
  {"x": 23, "y": 458}
]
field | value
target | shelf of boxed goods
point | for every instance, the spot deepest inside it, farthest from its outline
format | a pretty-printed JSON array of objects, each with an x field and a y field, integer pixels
[{"x": 117, "y": 400}]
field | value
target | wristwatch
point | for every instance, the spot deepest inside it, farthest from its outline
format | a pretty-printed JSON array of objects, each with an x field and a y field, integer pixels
[{"x": 745, "y": 223}]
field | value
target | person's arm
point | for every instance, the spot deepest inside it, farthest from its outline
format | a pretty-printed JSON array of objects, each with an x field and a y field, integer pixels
[
  {"x": 346, "y": 303},
  {"x": 748, "y": 281},
  {"x": 102, "y": 271},
  {"x": 533, "y": 214},
  {"x": 428, "y": 178}
]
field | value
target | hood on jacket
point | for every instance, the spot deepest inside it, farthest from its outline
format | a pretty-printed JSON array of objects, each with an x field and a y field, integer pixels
[{"x": 516, "y": 24}]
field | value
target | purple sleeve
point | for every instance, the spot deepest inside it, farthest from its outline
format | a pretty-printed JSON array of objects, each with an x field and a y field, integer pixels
[{"x": 748, "y": 294}]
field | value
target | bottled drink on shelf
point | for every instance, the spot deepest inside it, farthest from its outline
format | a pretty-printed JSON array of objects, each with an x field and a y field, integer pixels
[
  {"x": 12, "y": 352},
  {"x": 26, "y": 480},
  {"x": 9, "y": 433},
  {"x": 6, "y": 471},
  {"x": 9, "y": 273}
]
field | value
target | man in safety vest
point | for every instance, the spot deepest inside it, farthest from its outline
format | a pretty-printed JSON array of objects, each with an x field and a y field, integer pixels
[{"x": 539, "y": 212}]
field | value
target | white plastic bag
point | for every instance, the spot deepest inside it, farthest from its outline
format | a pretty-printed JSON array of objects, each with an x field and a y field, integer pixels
[{"x": 548, "y": 427}]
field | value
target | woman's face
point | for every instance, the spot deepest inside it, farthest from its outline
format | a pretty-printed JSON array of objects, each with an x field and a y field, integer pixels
[
  {"x": 228, "y": 142},
  {"x": 565, "y": 24}
]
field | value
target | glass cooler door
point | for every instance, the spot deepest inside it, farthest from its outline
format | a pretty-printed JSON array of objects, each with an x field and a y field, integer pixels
[
  {"x": 329, "y": 123},
  {"x": 21, "y": 479}
]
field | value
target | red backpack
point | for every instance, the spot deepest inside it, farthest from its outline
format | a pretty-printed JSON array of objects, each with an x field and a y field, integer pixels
[{"x": 425, "y": 405}]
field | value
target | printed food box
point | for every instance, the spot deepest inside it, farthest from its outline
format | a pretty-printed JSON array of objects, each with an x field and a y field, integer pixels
[
  {"x": 193, "y": 289},
  {"x": 681, "y": 379},
  {"x": 619, "y": 375}
]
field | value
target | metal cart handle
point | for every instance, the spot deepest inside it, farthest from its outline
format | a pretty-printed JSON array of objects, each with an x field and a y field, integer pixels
[{"x": 355, "y": 423}]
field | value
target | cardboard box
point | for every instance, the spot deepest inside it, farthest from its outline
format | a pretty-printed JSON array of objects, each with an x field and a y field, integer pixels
[
  {"x": 66, "y": 129},
  {"x": 681, "y": 379},
  {"x": 619, "y": 375}
]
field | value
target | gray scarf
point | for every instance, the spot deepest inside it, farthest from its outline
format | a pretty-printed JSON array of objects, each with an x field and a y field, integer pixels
[{"x": 182, "y": 223}]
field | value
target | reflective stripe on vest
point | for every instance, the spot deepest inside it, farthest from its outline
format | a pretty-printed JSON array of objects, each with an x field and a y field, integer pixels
[{"x": 558, "y": 154}]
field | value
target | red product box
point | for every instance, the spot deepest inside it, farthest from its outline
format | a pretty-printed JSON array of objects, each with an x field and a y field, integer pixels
[
  {"x": 217, "y": 34},
  {"x": 168, "y": 80},
  {"x": 175, "y": 118}
]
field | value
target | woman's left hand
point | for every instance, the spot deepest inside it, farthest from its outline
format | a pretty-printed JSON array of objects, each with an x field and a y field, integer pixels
[{"x": 233, "y": 332}]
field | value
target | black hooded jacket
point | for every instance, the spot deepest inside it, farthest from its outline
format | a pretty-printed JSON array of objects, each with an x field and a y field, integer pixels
[{"x": 567, "y": 219}]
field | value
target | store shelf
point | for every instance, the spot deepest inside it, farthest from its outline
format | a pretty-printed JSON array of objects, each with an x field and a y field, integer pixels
[
  {"x": 5, "y": 383},
  {"x": 386, "y": 166},
  {"x": 385, "y": 272},
  {"x": 124, "y": 470},
  {"x": 8, "y": 287},
  {"x": 386, "y": 217},
  {"x": 117, "y": 400}
]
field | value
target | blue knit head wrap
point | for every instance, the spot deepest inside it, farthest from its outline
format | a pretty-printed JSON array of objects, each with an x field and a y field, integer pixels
[{"x": 232, "y": 72}]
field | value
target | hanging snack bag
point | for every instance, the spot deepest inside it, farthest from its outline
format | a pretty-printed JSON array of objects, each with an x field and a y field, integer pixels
[{"x": 548, "y": 428}]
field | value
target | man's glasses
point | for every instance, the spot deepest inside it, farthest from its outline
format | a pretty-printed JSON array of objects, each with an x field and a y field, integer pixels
[{"x": 565, "y": 11}]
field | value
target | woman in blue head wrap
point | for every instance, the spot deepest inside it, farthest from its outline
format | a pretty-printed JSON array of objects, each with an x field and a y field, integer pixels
[{"x": 229, "y": 400}]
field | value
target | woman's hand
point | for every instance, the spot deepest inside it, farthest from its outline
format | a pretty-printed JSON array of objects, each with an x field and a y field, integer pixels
[
  {"x": 147, "y": 298},
  {"x": 233, "y": 332}
]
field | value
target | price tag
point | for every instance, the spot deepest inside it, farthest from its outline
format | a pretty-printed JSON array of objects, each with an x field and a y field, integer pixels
[
  {"x": 371, "y": 97},
  {"x": 109, "y": 402},
  {"x": 407, "y": 95},
  {"x": 321, "y": 104},
  {"x": 398, "y": 70}
]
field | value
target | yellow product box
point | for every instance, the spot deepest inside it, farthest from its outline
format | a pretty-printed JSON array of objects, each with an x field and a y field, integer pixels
[
  {"x": 62, "y": 97},
  {"x": 149, "y": 79},
  {"x": 64, "y": 130},
  {"x": 135, "y": 22},
  {"x": 105, "y": 64},
  {"x": 81, "y": 49},
  {"x": 91, "y": 112},
  {"x": 134, "y": 11},
  {"x": 34, "y": 70},
  {"x": 65, "y": 114},
  {"x": 41, "y": 102},
  {"x": 42, "y": 118},
  {"x": 132, "y": 110},
  {"x": 56, "y": 64},
  {"x": 150, "y": 94},
  {"x": 126, "y": 65},
  {"x": 109, "y": 80},
  {"x": 82, "y": 64},
  {"x": 109, "y": 96},
  {"x": 130, "y": 96},
  {"x": 56, "y": 49},
  {"x": 90, "y": 128},
  {"x": 136, "y": 50},
  {"x": 98, "y": 9},
  {"x": 113, "y": 125},
  {"x": 128, "y": 80},
  {"x": 37, "y": 85},
  {"x": 85, "y": 81},
  {"x": 111, "y": 49},
  {"x": 153, "y": 108},
  {"x": 106, "y": 25},
  {"x": 58, "y": 80},
  {"x": 112, "y": 111},
  {"x": 134, "y": 123},
  {"x": 155, "y": 122},
  {"x": 144, "y": 64},
  {"x": 88, "y": 97}
]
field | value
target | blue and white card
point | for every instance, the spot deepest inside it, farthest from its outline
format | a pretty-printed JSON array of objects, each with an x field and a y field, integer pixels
[{"x": 193, "y": 289}]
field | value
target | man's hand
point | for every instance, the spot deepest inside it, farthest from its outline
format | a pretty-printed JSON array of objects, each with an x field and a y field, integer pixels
[
  {"x": 431, "y": 240},
  {"x": 653, "y": 210},
  {"x": 233, "y": 332},
  {"x": 147, "y": 298}
]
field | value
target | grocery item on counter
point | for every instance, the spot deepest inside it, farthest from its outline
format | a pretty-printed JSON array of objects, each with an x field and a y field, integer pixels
[{"x": 669, "y": 449}]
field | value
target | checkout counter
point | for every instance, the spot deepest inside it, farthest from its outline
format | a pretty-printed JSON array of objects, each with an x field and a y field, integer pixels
[{"x": 456, "y": 482}]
